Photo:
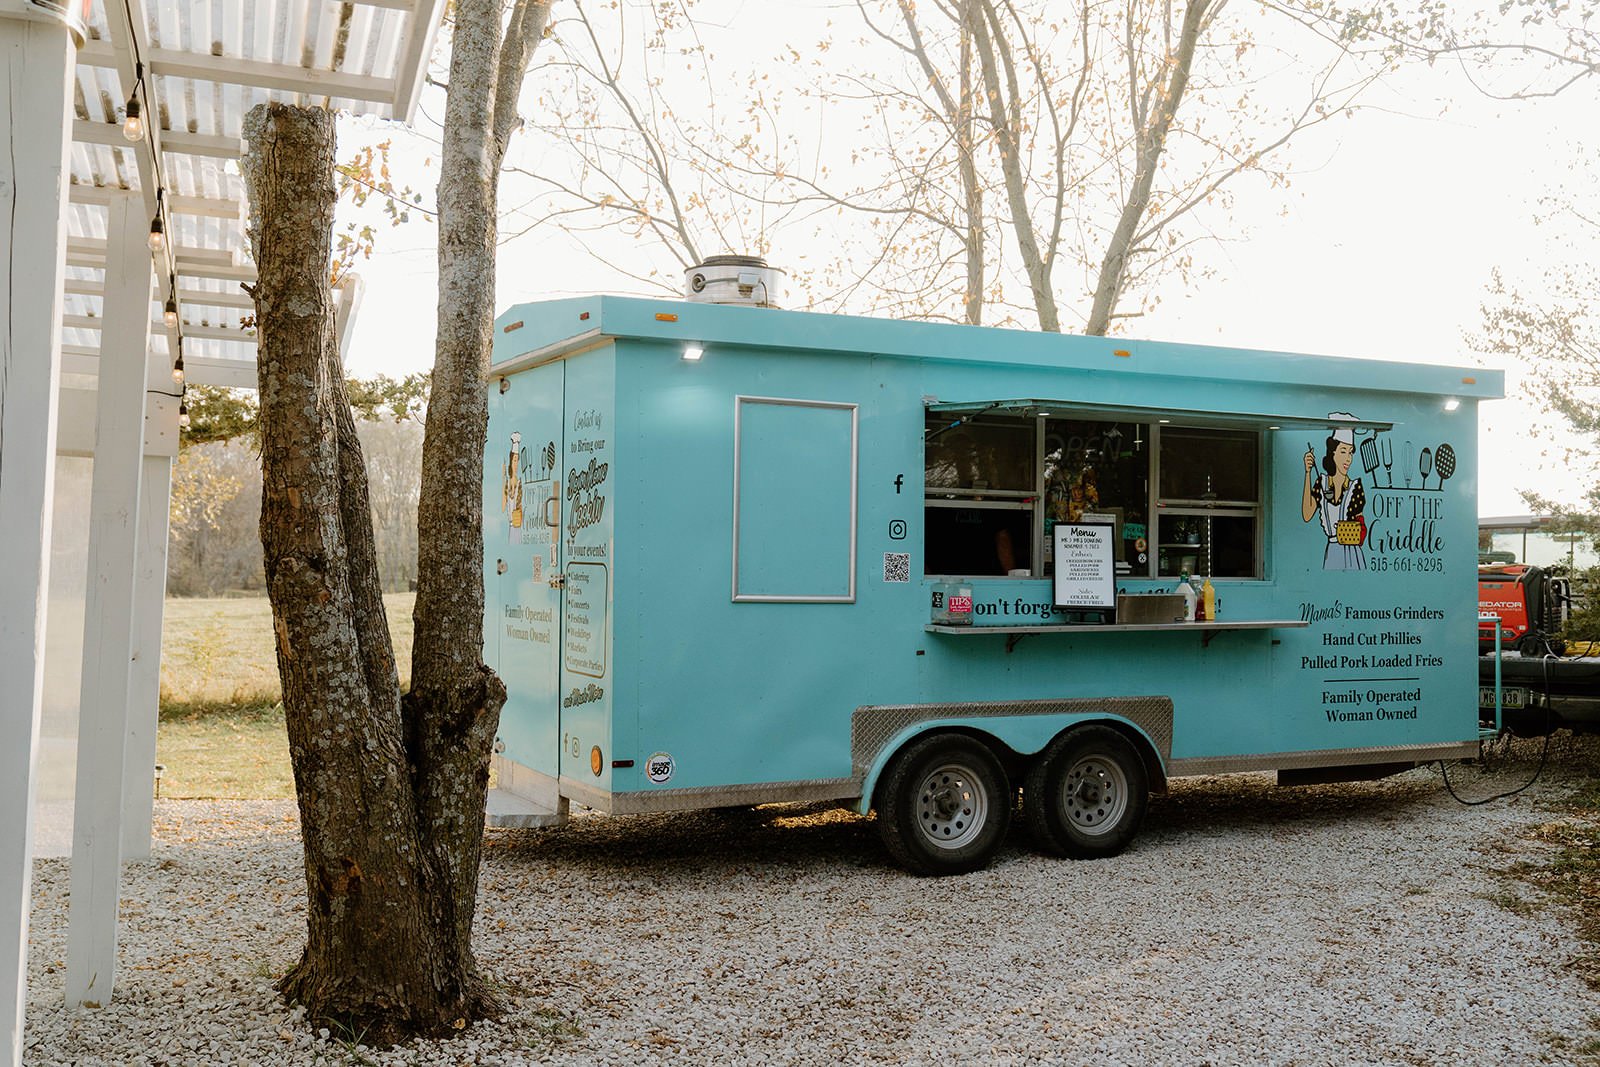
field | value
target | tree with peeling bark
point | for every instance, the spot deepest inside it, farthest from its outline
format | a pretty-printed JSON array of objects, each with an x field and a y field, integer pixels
[{"x": 391, "y": 791}]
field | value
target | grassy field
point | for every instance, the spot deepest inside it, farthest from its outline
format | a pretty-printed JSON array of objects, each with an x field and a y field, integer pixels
[{"x": 222, "y": 732}]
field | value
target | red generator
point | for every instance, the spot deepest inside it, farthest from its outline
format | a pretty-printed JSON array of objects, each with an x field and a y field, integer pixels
[{"x": 1529, "y": 611}]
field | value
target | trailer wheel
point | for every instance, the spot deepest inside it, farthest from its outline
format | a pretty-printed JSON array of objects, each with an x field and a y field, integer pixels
[
  {"x": 1086, "y": 795},
  {"x": 943, "y": 805}
]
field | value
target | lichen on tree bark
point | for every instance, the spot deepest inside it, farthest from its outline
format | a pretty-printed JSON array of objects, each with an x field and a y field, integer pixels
[{"x": 391, "y": 794}]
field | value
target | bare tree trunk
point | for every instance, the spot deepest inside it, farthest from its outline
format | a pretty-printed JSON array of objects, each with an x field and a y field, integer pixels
[
  {"x": 971, "y": 188},
  {"x": 994, "y": 53},
  {"x": 453, "y": 709},
  {"x": 1152, "y": 141},
  {"x": 371, "y": 959},
  {"x": 959, "y": 112},
  {"x": 391, "y": 795}
]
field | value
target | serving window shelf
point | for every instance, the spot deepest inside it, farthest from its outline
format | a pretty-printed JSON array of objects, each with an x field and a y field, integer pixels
[{"x": 1206, "y": 630}]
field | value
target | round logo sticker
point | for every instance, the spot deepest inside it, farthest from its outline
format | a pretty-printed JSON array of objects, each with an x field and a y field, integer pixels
[{"x": 659, "y": 767}]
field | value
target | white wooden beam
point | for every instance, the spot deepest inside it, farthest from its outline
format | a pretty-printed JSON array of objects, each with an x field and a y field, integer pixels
[
  {"x": 75, "y": 408},
  {"x": 75, "y": 416},
  {"x": 416, "y": 48},
  {"x": 204, "y": 206},
  {"x": 234, "y": 298},
  {"x": 108, "y": 612},
  {"x": 218, "y": 333},
  {"x": 190, "y": 262},
  {"x": 233, "y": 373},
  {"x": 38, "y": 60},
  {"x": 215, "y": 146},
  {"x": 230, "y": 70},
  {"x": 150, "y": 589},
  {"x": 347, "y": 299},
  {"x": 192, "y": 330}
]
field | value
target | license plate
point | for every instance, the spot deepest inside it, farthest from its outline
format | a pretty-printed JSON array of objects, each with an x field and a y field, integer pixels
[{"x": 1509, "y": 698}]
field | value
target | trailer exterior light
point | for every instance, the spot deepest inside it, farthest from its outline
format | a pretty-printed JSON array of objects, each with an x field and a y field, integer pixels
[
  {"x": 1451, "y": 404},
  {"x": 1163, "y": 421},
  {"x": 692, "y": 353}
]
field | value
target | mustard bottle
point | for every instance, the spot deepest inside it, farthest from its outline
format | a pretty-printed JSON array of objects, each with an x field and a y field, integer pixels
[{"x": 1208, "y": 596}]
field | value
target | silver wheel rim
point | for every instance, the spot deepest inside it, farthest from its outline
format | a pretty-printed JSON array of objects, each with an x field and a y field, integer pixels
[
  {"x": 1094, "y": 795},
  {"x": 952, "y": 807}
]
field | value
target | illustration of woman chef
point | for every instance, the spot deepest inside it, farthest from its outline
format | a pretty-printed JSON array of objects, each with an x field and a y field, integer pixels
[
  {"x": 1336, "y": 499},
  {"x": 511, "y": 485}
]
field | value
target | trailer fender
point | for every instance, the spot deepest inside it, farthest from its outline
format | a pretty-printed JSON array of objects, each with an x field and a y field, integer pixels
[{"x": 1013, "y": 737}]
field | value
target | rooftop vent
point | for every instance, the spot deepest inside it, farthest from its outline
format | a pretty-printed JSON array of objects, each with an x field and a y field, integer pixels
[{"x": 743, "y": 280}]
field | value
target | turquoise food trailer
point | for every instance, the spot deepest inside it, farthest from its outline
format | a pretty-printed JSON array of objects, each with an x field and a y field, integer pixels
[{"x": 737, "y": 555}]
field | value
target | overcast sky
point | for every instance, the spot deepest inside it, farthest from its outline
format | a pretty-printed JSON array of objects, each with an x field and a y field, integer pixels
[{"x": 1381, "y": 247}]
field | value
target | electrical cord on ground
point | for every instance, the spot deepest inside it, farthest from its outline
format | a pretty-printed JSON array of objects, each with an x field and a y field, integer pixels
[{"x": 1544, "y": 754}]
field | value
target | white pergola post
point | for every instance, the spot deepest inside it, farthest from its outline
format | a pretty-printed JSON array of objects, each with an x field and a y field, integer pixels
[
  {"x": 150, "y": 590},
  {"x": 36, "y": 59},
  {"x": 108, "y": 608}
]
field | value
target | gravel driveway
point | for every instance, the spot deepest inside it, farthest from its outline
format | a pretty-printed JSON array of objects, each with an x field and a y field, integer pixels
[{"x": 1247, "y": 924}]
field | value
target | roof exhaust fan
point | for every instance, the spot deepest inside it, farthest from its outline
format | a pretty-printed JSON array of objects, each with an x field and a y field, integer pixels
[{"x": 743, "y": 280}]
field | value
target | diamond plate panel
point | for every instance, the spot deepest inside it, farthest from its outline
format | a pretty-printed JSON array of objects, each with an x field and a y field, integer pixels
[{"x": 872, "y": 726}]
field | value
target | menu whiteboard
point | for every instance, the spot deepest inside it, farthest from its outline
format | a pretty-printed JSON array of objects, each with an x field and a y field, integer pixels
[{"x": 1086, "y": 568}]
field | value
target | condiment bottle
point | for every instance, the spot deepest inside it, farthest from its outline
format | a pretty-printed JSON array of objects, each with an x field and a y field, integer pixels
[
  {"x": 1186, "y": 591},
  {"x": 1208, "y": 601}
]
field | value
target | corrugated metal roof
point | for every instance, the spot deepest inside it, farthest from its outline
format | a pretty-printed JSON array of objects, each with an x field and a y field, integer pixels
[{"x": 206, "y": 63}]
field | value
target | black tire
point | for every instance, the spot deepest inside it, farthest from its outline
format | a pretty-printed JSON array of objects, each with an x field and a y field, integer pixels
[
  {"x": 943, "y": 805},
  {"x": 1086, "y": 795}
]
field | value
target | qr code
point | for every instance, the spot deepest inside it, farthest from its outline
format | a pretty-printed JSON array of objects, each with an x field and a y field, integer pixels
[{"x": 897, "y": 566}]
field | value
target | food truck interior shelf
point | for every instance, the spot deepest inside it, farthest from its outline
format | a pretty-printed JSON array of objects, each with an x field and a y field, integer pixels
[{"x": 1208, "y": 630}]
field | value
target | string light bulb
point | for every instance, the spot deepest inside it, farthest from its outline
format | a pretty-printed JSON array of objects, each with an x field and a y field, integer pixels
[
  {"x": 133, "y": 126},
  {"x": 169, "y": 314},
  {"x": 177, "y": 371},
  {"x": 158, "y": 234},
  {"x": 183, "y": 415}
]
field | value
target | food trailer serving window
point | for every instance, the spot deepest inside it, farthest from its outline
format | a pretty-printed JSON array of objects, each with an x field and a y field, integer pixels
[{"x": 1184, "y": 489}]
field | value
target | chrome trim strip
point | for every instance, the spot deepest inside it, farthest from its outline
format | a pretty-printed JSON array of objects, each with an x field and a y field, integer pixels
[
  {"x": 646, "y": 801},
  {"x": 1327, "y": 757},
  {"x": 855, "y": 495}
]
